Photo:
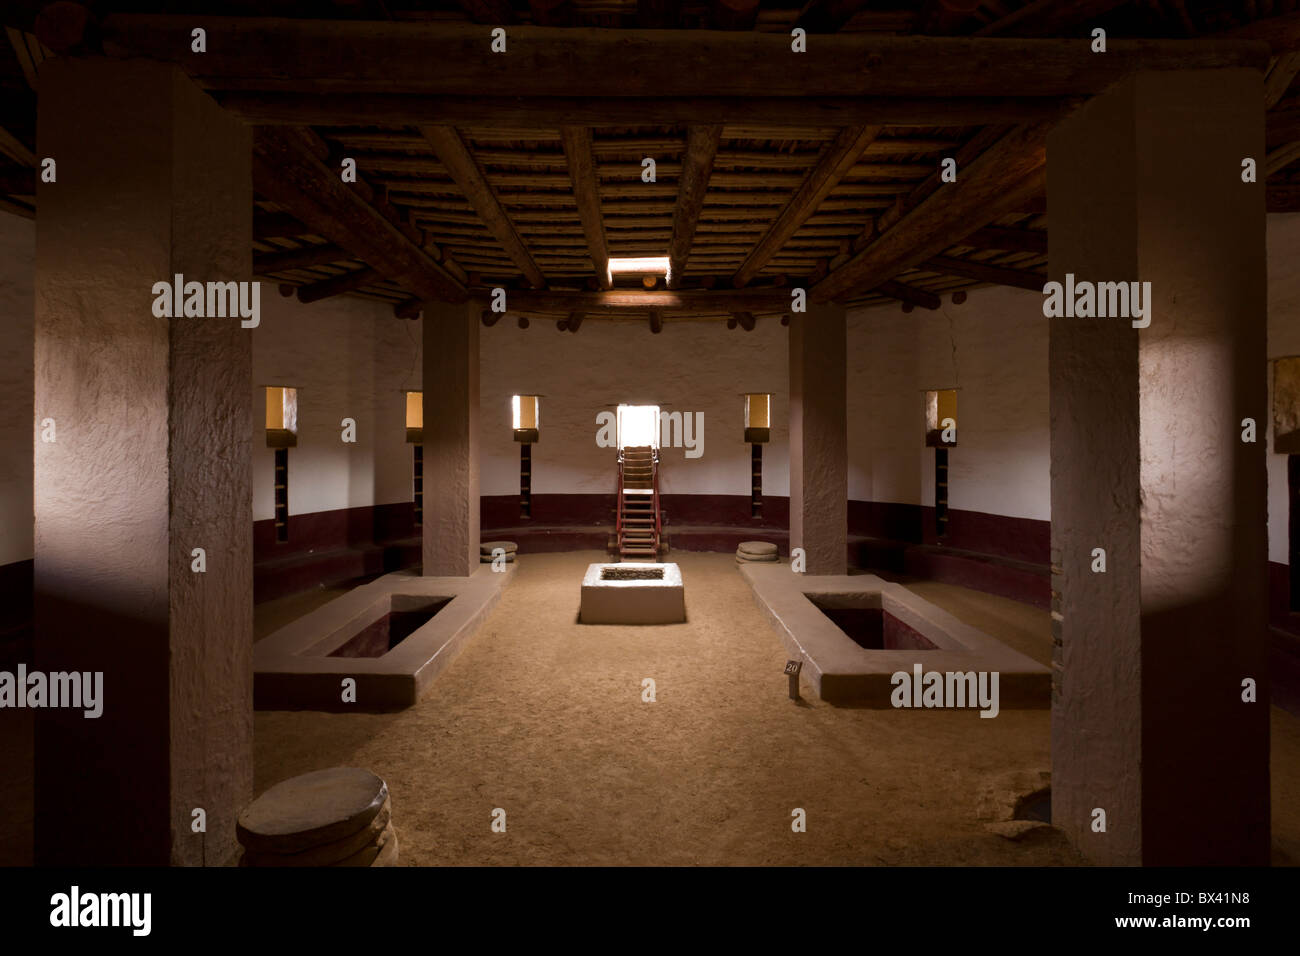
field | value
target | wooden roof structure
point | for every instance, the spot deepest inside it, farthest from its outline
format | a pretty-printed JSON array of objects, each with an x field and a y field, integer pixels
[{"x": 528, "y": 169}]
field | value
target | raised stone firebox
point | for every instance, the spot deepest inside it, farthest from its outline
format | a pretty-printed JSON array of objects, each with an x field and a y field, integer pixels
[{"x": 633, "y": 593}]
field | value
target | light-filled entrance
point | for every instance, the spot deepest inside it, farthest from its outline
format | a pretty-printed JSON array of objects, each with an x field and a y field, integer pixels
[{"x": 638, "y": 426}]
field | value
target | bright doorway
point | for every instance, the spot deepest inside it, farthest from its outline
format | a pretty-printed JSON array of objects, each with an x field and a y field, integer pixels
[{"x": 638, "y": 426}]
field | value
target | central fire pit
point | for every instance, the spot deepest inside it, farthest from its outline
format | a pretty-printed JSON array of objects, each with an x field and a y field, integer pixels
[
  {"x": 631, "y": 574},
  {"x": 633, "y": 594}
]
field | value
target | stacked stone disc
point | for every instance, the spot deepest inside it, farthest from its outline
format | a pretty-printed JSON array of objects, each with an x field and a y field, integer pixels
[
  {"x": 336, "y": 817},
  {"x": 487, "y": 547},
  {"x": 756, "y": 552}
]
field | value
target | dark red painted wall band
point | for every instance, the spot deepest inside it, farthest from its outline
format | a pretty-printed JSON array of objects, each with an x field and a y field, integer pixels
[
  {"x": 326, "y": 530},
  {"x": 1017, "y": 539},
  {"x": 582, "y": 510}
]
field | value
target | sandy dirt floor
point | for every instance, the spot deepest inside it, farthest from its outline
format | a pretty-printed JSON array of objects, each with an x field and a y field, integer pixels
[{"x": 543, "y": 717}]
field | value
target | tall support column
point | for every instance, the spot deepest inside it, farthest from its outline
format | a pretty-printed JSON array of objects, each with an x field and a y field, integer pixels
[
  {"x": 1148, "y": 721},
  {"x": 142, "y": 455},
  {"x": 451, "y": 447},
  {"x": 819, "y": 471}
]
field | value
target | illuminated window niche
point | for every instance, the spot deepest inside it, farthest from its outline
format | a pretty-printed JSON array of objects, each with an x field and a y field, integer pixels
[
  {"x": 281, "y": 434},
  {"x": 415, "y": 438},
  {"x": 941, "y": 434},
  {"x": 758, "y": 417},
  {"x": 526, "y": 417},
  {"x": 1286, "y": 406},
  {"x": 415, "y": 417},
  {"x": 281, "y": 416},
  {"x": 941, "y": 418}
]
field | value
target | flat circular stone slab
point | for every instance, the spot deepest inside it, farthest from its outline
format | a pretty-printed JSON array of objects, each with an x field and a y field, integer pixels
[
  {"x": 509, "y": 556},
  {"x": 314, "y": 809},
  {"x": 368, "y": 855},
  {"x": 387, "y": 855},
  {"x": 758, "y": 548},
  {"x": 327, "y": 854},
  {"x": 509, "y": 547},
  {"x": 749, "y": 559}
]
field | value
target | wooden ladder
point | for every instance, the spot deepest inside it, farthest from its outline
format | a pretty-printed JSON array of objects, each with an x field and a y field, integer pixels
[{"x": 638, "y": 503}]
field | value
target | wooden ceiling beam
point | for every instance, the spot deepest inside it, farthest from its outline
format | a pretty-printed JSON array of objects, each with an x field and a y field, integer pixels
[
  {"x": 586, "y": 193},
  {"x": 267, "y": 263},
  {"x": 964, "y": 155},
  {"x": 287, "y": 170},
  {"x": 551, "y": 13},
  {"x": 446, "y": 142},
  {"x": 16, "y": 149},
  {"x": 1012, "y": 240},
  {"x": 658, "y": 14},
  {"x": 1283, "y": 197},
  {"x": 1281, "y": 33},
  {"x": 493, "y": 12},
  {"x": 334, "y": 57},
  {"x": 985, "y": 272},
  {"x": 347, "y": 109},
  {"x": 827, "y": 16},
  {"x": 1282, "y": 127},
  {"x": 735, "y": 14},
  {"x": 337, "y": 285},
  {"x": 628, "y": 300},
  {"x": 17, "y": 208},
  {"x": 1000, "y": 180},
  {"x": 18, "y": 182},
  {"x": 1280, "y": 158},
  {"x": 267, "y": 225},
  {"x": 331, "y": 153},
  {"x": 842, "y": 155},
  {"x": 1043, "y": 18},
  {"x": 1281, "y": 73},
  {"x": 697, "y": 166}
]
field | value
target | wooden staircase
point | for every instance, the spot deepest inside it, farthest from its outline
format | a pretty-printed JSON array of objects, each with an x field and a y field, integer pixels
[{"x": 637, "y": 529}]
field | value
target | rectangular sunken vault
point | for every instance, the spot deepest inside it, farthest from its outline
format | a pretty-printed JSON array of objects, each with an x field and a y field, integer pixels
[
  {"x": 814, "y": 616},
  {"x": 393, "y": 636}
]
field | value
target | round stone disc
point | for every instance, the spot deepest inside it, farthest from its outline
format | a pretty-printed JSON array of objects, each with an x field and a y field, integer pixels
[
  {"x": 387, "y": 855},
  {"x": 326, "y": 854},
  {"x": 509, "y": 556},
  {"x": 757, "y": 548},
  {"x": 310, "y": 810},
  {"x": 509, "y": 547},
  {"x": 368, "y": 855}
]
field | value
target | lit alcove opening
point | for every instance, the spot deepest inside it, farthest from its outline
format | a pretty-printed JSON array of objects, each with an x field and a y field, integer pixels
[
  {"x": 415, "y": 437},
  {"x": 525, "y": 419},
  {"x": 758, "y": 429},
  {"x": 941, "y": 434},
  {"x": 281, "y": 435}
]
